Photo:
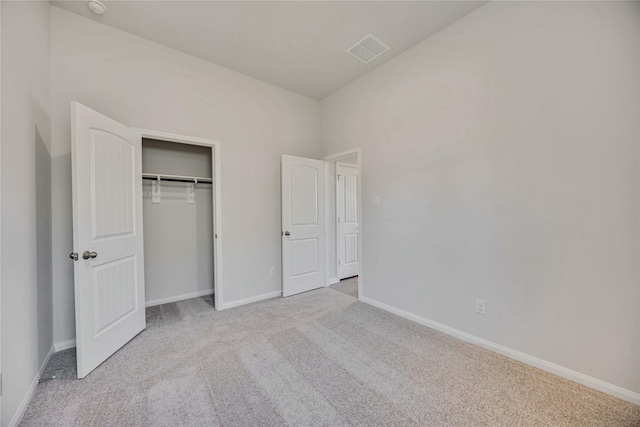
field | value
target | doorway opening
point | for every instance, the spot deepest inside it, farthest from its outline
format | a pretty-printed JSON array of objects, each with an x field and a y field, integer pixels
[
  {"x": 321, "y": 223},
  {"x": 343, "y": 213},
  {"x": 181, "y": 209}
]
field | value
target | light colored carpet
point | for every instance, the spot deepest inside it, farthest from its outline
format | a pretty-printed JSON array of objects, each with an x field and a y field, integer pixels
[
  {"x": 347, "y": 286},
  {"x": 316, "y": 359}
]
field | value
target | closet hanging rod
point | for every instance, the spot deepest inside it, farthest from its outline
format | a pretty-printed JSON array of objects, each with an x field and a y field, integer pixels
[{"x": 177, "y": 178}]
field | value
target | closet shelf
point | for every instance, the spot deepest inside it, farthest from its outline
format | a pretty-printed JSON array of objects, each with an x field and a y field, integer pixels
[{"x": 177, "y": 178}]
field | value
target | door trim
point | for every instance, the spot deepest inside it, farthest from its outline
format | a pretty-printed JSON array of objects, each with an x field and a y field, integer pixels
[
  {"x": 334, "y": 158},
  {"x": 218, "y": 294}
]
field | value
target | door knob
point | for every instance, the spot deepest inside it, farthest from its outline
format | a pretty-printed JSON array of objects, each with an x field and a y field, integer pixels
[
  {"x": 286, "y": 233},
  {"x": 87, "y": 255}
]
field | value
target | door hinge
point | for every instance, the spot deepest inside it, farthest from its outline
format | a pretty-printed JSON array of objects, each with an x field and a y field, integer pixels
[
  {"x": 339, "y": 262},
  {"x": 0, "y": 383},
  {"x": 73, "y": 256},
  {"x": 338, "y": 220}
]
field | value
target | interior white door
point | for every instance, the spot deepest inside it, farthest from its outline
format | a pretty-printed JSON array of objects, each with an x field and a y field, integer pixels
[
  {"x": 347, "y": 220},
  {"x": 107, "y": 235},
  {"x": 303, "y": 225}
]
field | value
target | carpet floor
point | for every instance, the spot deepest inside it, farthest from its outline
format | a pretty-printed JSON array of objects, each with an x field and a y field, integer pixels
[
  {"x": 316, "y": 359},
  {"x": 347, "y": 286}
]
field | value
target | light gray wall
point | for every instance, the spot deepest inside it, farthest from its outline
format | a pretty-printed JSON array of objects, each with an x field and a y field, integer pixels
[
  {"x": 178, "y": 242},
  {"x": 176, "y": 159},
  {"x": 43, "y": 245},
  {"x": 178, "y": 236},
  {"x": 146, "y": 85},
  {"x": 505, "y": 153},
  {"x": 26, "y": 200}
]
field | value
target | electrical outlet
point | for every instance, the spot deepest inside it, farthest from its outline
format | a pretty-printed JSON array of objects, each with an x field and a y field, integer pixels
[
  {"x": 481, "y": 306},
  {"x": 376, "y": 201},
  {"x": 272, "y": 272}
]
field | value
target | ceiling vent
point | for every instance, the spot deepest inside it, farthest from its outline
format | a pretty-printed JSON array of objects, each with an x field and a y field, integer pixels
[{"x": 368, "y": 49}]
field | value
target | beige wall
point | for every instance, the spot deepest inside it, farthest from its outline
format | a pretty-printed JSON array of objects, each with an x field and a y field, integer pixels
[
  {"x": 505, "y": 153},
  {"x": 26, "y": 201},
  {"x": 143, "y": 84}
]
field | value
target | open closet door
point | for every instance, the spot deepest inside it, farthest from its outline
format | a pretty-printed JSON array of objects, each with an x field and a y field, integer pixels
[
  {"x": 303, "y": 225},
  {"x": 107, "y": 235}
]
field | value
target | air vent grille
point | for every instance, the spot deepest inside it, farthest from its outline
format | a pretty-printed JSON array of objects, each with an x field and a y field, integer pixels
[{"x": 368, "y": 49}]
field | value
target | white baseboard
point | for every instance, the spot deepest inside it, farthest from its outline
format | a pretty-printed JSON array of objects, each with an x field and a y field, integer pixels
[
  {"x": 64, "y": 345},
  {"x": 561, "y": 371},
  {"x": 257, "y": 298},
  {"x": 17, "y": 417},
  {"x": 178, "y": 298},
  {"x": 333, "y": 281}
]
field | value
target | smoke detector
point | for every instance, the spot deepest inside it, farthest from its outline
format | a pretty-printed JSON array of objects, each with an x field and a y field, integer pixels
[
  {"x": 96, "y": 7},
  {"x": 368, "y": 49}
]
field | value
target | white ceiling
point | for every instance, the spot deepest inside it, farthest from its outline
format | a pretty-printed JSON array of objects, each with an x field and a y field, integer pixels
[{"x": 295, "y": 45}]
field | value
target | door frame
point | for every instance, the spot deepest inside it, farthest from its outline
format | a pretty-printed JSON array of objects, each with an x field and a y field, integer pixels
[
  {"x": 335, "y": 158},
  {"x": 217, "y": 200}
]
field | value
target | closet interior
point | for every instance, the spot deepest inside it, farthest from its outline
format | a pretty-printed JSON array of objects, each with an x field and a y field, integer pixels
[{"x": 178, "y": 209}]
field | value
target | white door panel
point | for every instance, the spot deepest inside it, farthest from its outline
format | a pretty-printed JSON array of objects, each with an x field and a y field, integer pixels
[
  {"x": 107, "y": 220},
  {"x": 347, "y": 220},
  {"x": 303, "y": 225}
]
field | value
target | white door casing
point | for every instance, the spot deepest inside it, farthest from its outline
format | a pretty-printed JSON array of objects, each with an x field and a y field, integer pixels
[
  {"x": 303, "y": 225},
  {"x": 347, "y": 220},
  {"x": 107, "y": 220}
]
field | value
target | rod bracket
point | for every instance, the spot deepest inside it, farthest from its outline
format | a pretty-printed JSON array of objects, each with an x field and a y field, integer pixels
[{"x": 155, "y": 191}]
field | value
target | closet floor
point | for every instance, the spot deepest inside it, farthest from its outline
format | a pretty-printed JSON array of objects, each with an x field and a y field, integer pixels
[{"x": 318, "y": 358}]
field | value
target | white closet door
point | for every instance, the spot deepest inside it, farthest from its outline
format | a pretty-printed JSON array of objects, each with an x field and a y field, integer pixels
[
  {"x": 107, "y": 234},
  {"x": 303, "y": 225},
  {"x": 347, "y": 220}
]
